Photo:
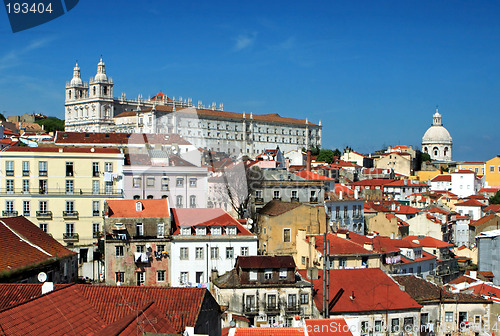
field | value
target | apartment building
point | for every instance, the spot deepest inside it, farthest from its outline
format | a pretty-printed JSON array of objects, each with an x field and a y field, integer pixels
[{"x": 62, "y": 190}]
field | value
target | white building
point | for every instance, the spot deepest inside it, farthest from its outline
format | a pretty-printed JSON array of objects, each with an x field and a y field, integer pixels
[
  {"x": 464, "y": 183},
  {"x": 437, "y": 141},
  {"x": 206, "y": 242},
  {"x": 90, "y": 107},
  {"x": 471, "y": 207},
  {"x": 441, "y": 182}
]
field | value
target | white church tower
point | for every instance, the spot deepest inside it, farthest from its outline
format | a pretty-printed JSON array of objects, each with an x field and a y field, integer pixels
[
  {"x": 437, "y": 141},
  {"x": 89, "y": 106}
]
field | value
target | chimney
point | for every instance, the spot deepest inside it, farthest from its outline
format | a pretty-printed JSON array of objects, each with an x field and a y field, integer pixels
[
  {"x": 368, "y": 246},
  {"x": 340, "y": 195},
  {"x": 356, "y": 194},
  {"x": 308, "y": 162}
]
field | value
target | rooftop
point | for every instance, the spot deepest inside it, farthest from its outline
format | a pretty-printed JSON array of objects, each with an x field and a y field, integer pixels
[{"x": 149, "y": 208}]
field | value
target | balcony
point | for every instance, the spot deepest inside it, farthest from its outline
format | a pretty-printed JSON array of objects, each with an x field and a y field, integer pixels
[
  {"x": 97, "y": 234},
  {"x": 9, "y": 173},
  {"x": 71, "y": 237},
  {"x": 272, "y": 308},
  {"x": 277, "y": 198},
  {"x": 95, "y": 213},
  {"x": 6, "y": 213},
  {"x": 292, "y": 308},
  {"x": 251, "y": 310},
  {"x": 313, "y": 200},
  {"x": 70, "y": 214},
  {"x": 259, "y": 200},
  {"x": 62, "y": 191},
  {"x": 295, "y": 199},
  {"x": 44, "y": 214}
]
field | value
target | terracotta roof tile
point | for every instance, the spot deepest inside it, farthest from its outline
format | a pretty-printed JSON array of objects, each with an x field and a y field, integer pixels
[
  {"x": 427, "y": 241},
  {"x": 484, "y": 220},
  {"x": 128, "y": 208},
  {"x": 442, "y": 178},
  {"x": 206, "y": 217},
  {"x": 276, "y": 208},
  {"x": 341, "y": 246},
  {"x": 281, "y": 331},
  {"x": 471, "y": 202}
]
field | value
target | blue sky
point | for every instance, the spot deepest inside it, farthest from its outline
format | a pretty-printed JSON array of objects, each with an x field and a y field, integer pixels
[{"x": 371, "y": 71}]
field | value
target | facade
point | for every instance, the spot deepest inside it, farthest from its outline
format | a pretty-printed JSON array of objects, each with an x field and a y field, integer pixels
[
  {"x": 207, "y": 242},
  {"x": 400, "y": 163},
  {"x": 427, "y": 225},
  {"x": 345, "y": 211},
  {"x": 464, "y": 183},
  {"x": 441, "y": 182},
  {"x": 492, "y": 172},
  {"x": 27, "y": 251},
  {"x": 137, "y": 242},
  {"x": 399, "y": 190},
  {"x": 283, "y": 226},
  {"x": 62, "y": 190},
  {"x": 471, "y": 207},
  {"x": 437, "y": 141},
  {"x": 489, "y": 253},
  {"x": 266, "y": 290},
  {"x": 444, "y": 312},
  {"x": 91, "y": 107},
  {"x": 389, "y": 225}
]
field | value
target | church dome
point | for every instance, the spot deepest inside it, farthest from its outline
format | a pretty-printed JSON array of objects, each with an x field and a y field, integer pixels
[
  {"x": 437, "y": 134},
  {"x": 101, "y": 72},
  {"x": 76, "y": 80}
]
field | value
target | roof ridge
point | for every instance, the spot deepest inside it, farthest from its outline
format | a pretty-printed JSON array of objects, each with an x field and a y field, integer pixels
[
  {"x": 63, "y": 286},
  {"x": 25, "y": 240}
]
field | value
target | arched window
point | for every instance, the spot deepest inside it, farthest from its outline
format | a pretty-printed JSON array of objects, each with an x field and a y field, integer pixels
[
  {"x": 69, "y": 94},
  {"x": 436, "y": 151},
  {"x": 164, "y": 196},
  {"x": 150, "y": 197},
  {"x": 445, "y": 151},
  {"x": 137, "y": 197},
  {"x": 105, "y": 90},
  {"x": 94, "y": 90},
  {"x": 426, "y": 150}
]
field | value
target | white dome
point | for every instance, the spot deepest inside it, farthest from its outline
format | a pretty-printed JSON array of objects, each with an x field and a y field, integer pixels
[
  {"x": 76, "y": 81},
  {"x": 437, "y": 134},
  {"x": 101, "y": 72}
]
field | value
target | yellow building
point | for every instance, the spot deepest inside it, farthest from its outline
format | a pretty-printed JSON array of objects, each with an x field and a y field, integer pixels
[
  {"x": 62, "y": 190},
  {"x": 475, "y": 166},
  {"x": 283, "y": 227},
  {"x": 401, "y": 163},
  {"x": 492, "y": 172}
]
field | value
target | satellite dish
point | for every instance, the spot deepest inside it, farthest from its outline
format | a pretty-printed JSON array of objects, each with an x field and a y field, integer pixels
[
  {"x": 42, "y": 277},
  {"x": 232, "y": 324}
]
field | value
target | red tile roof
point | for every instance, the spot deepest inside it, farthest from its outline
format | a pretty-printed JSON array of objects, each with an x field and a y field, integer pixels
[
  {"x": 484, "y": 220},
  {"x": 438, "y": 210},
  {"x": 442, "y": 178},
  {"x": 490, "y": 292},
  {"x": 425, "y": 256},
  {"x": 427, "y": 241},
  {"x": 62, "y": 149},
  {"x": 372, "y": 182},
  {"x": 340, "y": 246},
  {"x": 23, "y": 244},
  {"x": 407, "y": 183},
  {"x": 365, "y": 290},
  {"x": 310, "y": 176},
  {"x": 12, "y": 294},
  {"x": 118, "y": 138},
  {"x": 471, "y": 202},
  {"x": 328, "y": 327},
  {"x": 281, "y": 331},
  {"x": 493, "y": 207},
  {"x": 407, "y": 210},
  {"x": 262, "y": 262},
  {"x": 462, "y": 171},
  {"x": 151, "y": 208},
  {"x": 206, "y": 217}
]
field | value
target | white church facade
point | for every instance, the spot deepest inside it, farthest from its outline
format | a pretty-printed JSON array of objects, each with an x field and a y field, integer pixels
[{"x": 91, "y": 107}]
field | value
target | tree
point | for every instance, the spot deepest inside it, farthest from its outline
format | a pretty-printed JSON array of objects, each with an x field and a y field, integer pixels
[
  {"x": 337, "y": 152},
  {"x": 495, "y": 199},
  {"x": 325, "y": 155},
  {"x": 425, "y": 157},
  {"x": 51, "y": 124},
  {"x": 2, "y": 117}
]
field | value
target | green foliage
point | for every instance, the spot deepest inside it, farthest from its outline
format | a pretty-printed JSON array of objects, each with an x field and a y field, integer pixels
[
  {"x": 325, "y": 155},
  {"x": 337, "y": 152},
  {"x": 425, "y": 157},
  {"x": 51, "y": 124},
  {"x": 314, "y": 151},
  {"x": 495, "y": 199},
  {"x": 2, "y": 117}
]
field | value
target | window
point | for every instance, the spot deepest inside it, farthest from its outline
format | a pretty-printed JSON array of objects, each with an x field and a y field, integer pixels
[
  {"x": 286, "y": 235},
  {"x": 395, "y": 325},
  {"x": 492, "y": 169},
  {"x": 342, "y": 262},
  {"x": 294, "y": 194},
  {"x": 283, "y": 273},
  {"x": 140, "y": 278},
  {"x": 276, "y": 194},
  {"x": 95, "y": 169},
  {"x": 378, "y": 325},
  {"x": 192, "y": 201},
  {"x": 271, "y": 300},
  {"x": 26, "y": 168},
  {"x": 178, "y": 201},
  {"x": 304, "y": 298},
  {"x": 253, "y": 275},
  {"x": 150, "y": 182},
  {"x": 9, "y": 168},
  {"x": 201, "y": 231},
  {"x": 160, "y": 276},
  {"x": 160, "y": 248},
  {"x": 26, "y": 208},
  {"x": 214, "y": 253},
  {"x": 70, "y": 229},
  {"x": 119, "y": 251},
  {"x": 95, "y": 208},
  {"x": 192, "y": 182},
  {"x": 140, "y": 248},
  {"x": 199, "y": 277},
  {"x": 42, "y": 168},
  {"x": 184, "y": 278},
  {"x": 43, "y": 206},
  {"x": 199, "y": 253},
  {"x": 108, "y": 167},
  {"x": 44, "y": 227},
  {"x": 96, "y": 228},
  {"x": 42, "y": 186},
  {"x": 292, "y": 300},
  {"x": 179, "y": 182},
  {"x": 186, "y": 231},
  {"x": 70, "y": 207},
  {"x": 462, "y": 318},
  {"x": 108, "y": 187},
  {"x": 184, "y": 253},
  {"x": 244, "y": 251},
  {"x": 136, "y": 182},
  {"x": 250, "y": 301},
  {"x": 160, "y": 230},
  {"x": 229, "y": 252},
  {"x": 119, "y": 276},
  {"x": 216, "y": 230},
  {"x": 268, "y": 274},
  {"x": 9, "y": 186},
  {"x": 408, "y": 324},
  {"x": 231, "y": 230},
  {"x": 164, "y": 183},
  {"x": 69, "y": 169},
  {"x": 271, "y": 320},
  {"x": 303, "y": 260},
  {"x": 139, "y": 229},
  {"x": 69, "y": 187},
  {"x": 364, "y": 327}
]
